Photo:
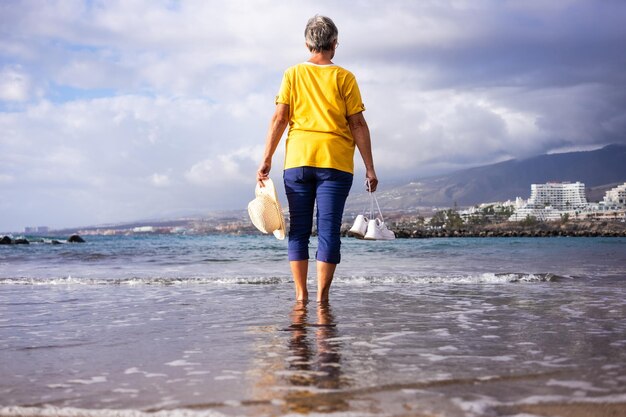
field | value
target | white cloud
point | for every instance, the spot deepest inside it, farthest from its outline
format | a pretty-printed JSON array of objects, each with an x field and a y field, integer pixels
[
  {"x": 124, "y": 109},
  {"x": 6, "y": 179},
  {"x": 160, "y": 180},
  {"x": 14, "y": 85},
  {"x": 236, "y": 167},
  {"x": 202, "y": 173}
]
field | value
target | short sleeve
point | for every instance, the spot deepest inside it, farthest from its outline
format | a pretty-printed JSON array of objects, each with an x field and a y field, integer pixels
[
  {"x": 284, "y": 93},
  {"x": 352, "y": 96}
]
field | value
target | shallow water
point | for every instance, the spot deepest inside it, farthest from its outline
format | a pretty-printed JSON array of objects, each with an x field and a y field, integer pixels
[{"x": 454, "y": 327}]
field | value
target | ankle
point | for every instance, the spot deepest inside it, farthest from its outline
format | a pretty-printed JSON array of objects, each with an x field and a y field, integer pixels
[{"x": 322, "y": 296}]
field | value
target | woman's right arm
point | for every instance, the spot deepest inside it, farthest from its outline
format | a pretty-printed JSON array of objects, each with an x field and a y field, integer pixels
[
  {"x": 278, "y": 124},
  {"x": 361, "y": 134}
]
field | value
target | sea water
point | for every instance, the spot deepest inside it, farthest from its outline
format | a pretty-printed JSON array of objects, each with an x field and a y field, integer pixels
[{"x": 207, "y": 325}]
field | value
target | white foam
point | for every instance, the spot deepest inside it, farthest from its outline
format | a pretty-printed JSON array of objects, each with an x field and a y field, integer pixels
[
  {"x": 181, "y": 362},
  {"x": 547, "y": 364},
  {"x": 484, "y": 278},
  {"x": 483, "y": 405},
  {"x": 503, "y": 358},
  {"x": 93, "y": 380},
  {"x": 50, "y": 411},
  {"x": 53, "y": 386},
  {"x": 224, "y": 377},
  {"x": 479, "y": 406},
  {"x": 153, "y": 375},
  {"x": 539, "y": 399},
  {"x": 134, "y": 370},
  {"x": 126, "y": 391},
  {"x": 394, "y": 335},
  {"x": 339, "y": 339},
  {"x": 432, "y": 357},
  {"x": 198, "y": 373},
  {"x": 441, "y": 332},
  {"x": 581, "y": 385},
  {"x": 448, "y": 348},
  {"x": 365, "y": 344}
]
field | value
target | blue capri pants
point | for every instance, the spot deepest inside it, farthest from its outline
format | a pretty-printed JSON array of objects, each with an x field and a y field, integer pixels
[{"x": 304, "y": 187}]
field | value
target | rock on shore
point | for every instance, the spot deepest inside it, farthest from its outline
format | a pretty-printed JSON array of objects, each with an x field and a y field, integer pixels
[
  {"x": 8, "y": 240},
  {"x": 75, "y": 239}
]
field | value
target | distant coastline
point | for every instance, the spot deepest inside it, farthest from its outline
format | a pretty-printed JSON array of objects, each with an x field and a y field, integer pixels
[
  {"x": 404, "y": 228},
  {"x": 510, "y": 229}
]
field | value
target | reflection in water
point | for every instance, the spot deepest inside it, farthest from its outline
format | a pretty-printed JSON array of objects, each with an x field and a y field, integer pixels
[{"x": 314, "y": 364}]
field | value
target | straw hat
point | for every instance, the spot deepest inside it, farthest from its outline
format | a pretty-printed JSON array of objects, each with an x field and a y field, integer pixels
[{"x": 265, "y": 211}]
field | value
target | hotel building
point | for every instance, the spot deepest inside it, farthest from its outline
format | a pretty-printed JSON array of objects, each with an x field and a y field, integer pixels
[
  {"x": 551, "y": 200},
  {"x": 616, "y": 197},
  {"x": 558, "y": 195}
]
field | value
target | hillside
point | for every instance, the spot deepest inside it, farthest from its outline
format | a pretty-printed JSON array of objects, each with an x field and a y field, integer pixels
[{"x": 598, "y": 170}]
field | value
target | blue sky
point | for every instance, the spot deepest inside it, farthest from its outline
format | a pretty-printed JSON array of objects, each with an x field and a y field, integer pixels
[{"x": 123, "y": 110}]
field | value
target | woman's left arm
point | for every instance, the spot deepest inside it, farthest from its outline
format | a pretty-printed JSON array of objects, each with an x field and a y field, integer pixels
[
  {"x": 278, "y": 124},
  {"x": 361, "y": 134}
]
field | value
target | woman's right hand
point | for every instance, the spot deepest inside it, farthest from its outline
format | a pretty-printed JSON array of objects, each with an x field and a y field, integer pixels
[
  {"x": 263, "y": 173},
  {"x": 278, "y": 124}
]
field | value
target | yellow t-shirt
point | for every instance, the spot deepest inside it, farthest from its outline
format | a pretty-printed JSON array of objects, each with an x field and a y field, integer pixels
[{"x": 320, "y": 99}]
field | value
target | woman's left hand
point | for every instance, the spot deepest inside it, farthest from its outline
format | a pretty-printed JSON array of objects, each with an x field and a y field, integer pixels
[{"x": 371, "y": 182}]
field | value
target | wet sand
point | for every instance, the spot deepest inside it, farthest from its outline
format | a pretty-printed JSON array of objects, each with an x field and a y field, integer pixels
[
  {"x": 545, "y": 348},
  {"x": 573, "y": 409}
]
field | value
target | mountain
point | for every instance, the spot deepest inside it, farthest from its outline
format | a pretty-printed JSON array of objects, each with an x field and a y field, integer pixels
[{"x": 598, "y": 170}]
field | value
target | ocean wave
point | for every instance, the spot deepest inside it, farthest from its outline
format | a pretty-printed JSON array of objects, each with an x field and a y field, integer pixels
[
  {"x": 144, "y": 281},
  {"x": 484, "y": 278}
]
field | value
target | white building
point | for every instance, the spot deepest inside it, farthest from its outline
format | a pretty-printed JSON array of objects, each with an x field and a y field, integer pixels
[
  {"x": 558, "y": 195},
  {"x": 541, "y": 214},
  {"x": 143, "y": 229},
  {"x": 38, "y": 229},
  {"x": 551, "y": 201},
  {"x": 616, "y": 197}
]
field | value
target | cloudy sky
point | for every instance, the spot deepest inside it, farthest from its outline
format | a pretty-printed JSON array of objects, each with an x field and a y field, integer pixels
[{"x": 136, "y": 109}]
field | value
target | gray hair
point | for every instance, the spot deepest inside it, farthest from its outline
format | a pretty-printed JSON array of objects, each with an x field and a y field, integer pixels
[{"x": 320, "y": 33}]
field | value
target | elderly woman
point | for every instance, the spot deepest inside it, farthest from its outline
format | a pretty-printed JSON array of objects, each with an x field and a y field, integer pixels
[{"x": 321, "y": 103}]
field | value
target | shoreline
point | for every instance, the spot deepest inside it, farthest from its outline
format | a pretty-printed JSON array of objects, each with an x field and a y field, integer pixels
[
  {"x": 402, "y": 230},
  {"x": 426, "y": 234},
  {"x": 406, "y": 230},
  {"x": 575, "y": 408}
]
